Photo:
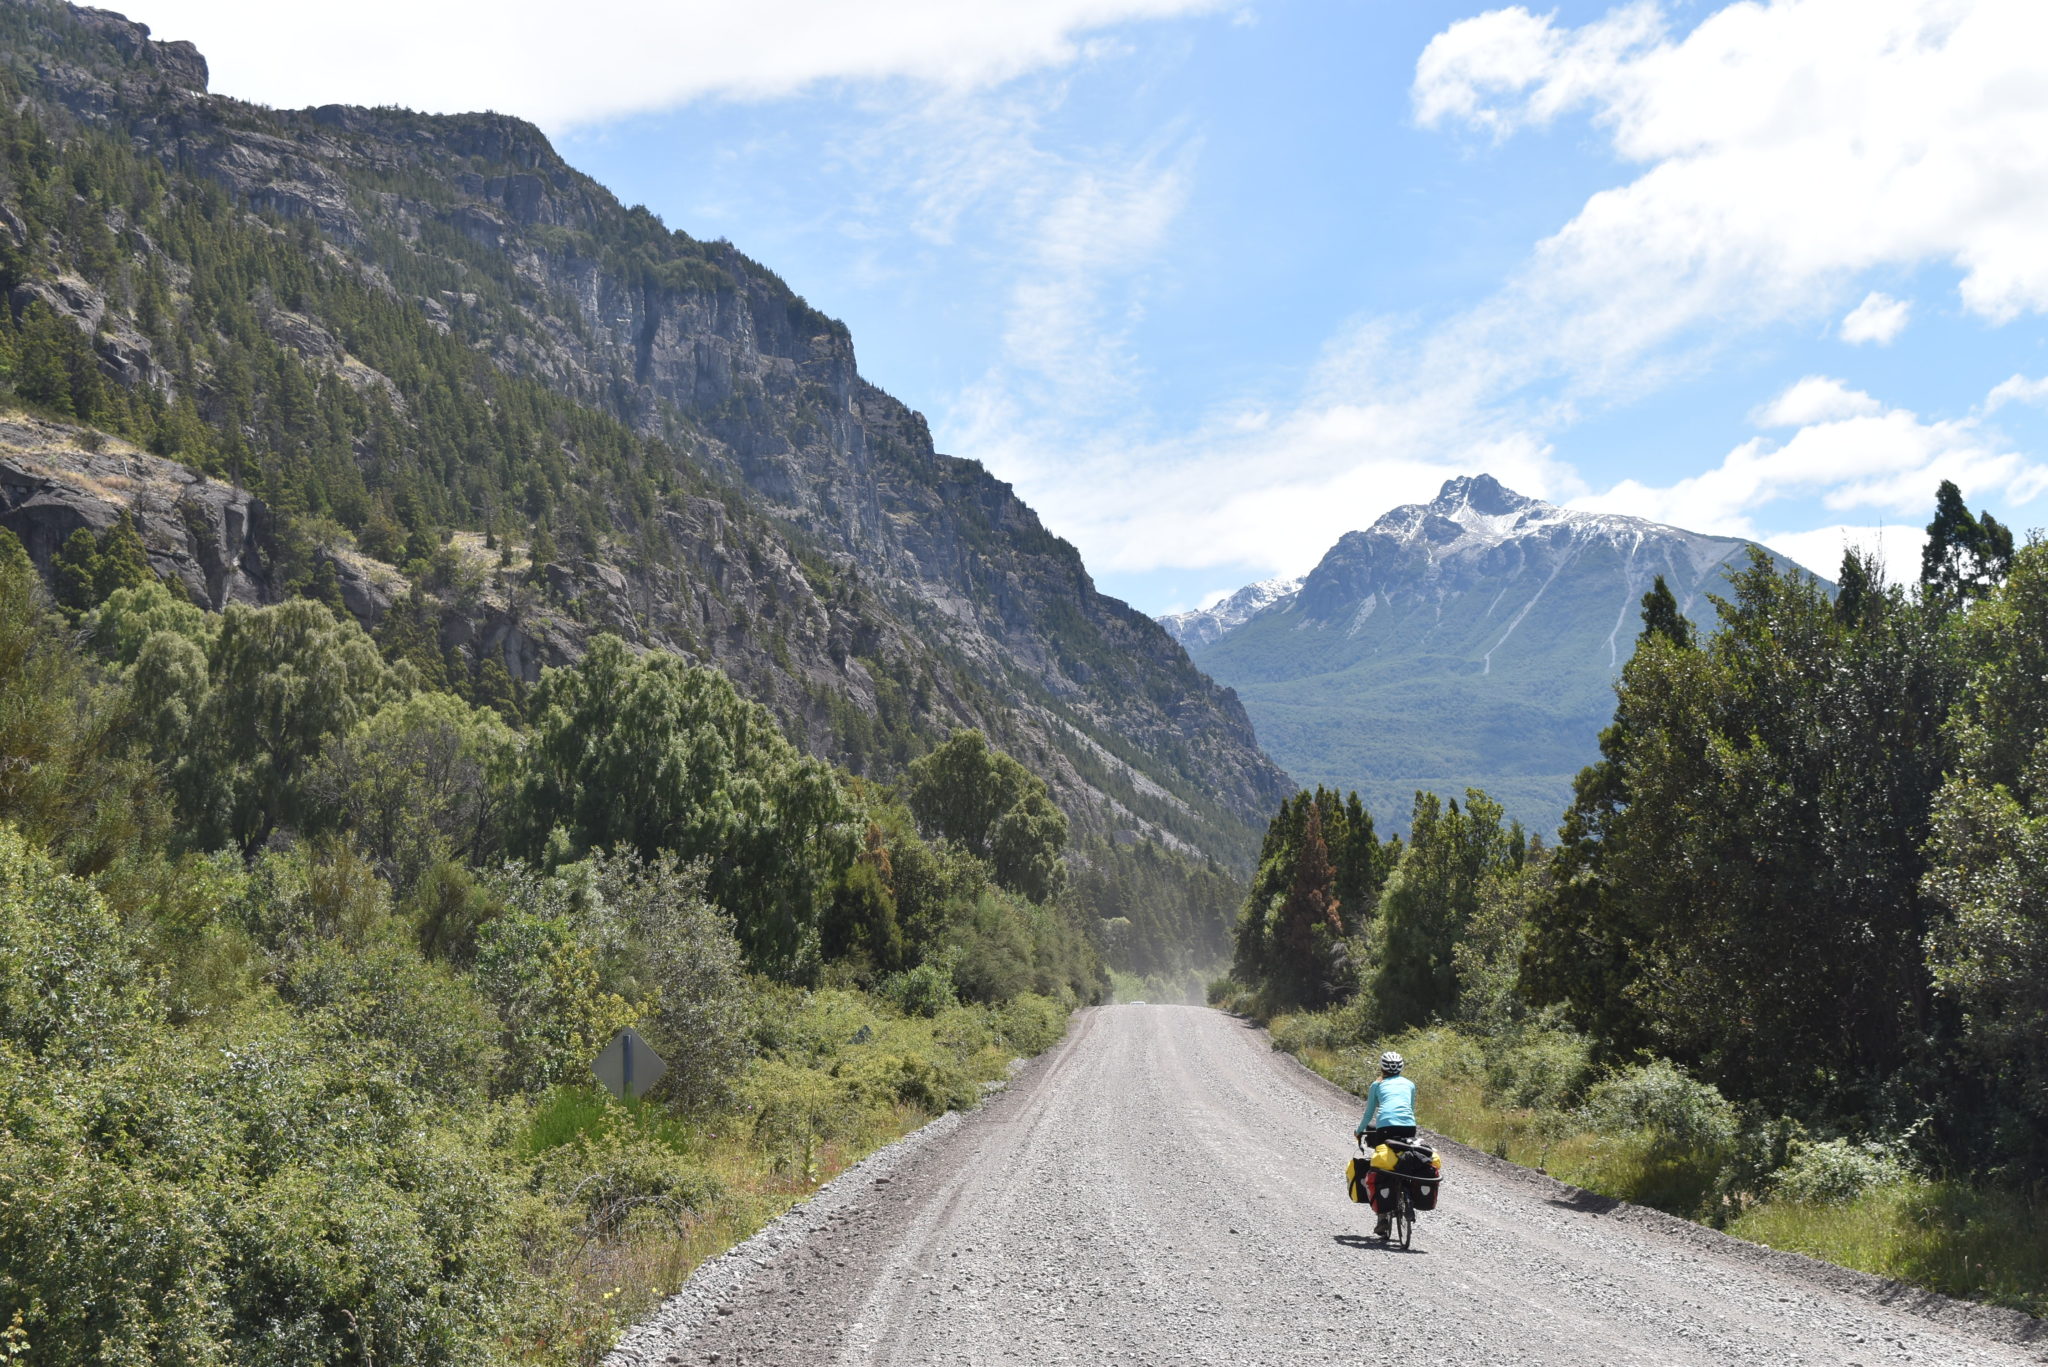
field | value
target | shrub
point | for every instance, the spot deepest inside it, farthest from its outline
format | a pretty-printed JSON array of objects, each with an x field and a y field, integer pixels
[
  {"x": 614, "y": 1175},
  {"x": 555, "y": 1009},
  {"x": 1305, "y": 1030},
  {"x": 70, "y": 985},
  {"x": 1660, "y": 1097},
  {"x": 1537, "y": 1069},
  {"x": 691, "y": 976},
  {"x": 991, "y": 947},
  {"x": 1030, "y": 1023},
  {"x": 1835, "y": 1171},
  {"x": 442, "y": 1037},
  {"x": 924, "y": 1078},
  {"x": 922, "y": 991}
]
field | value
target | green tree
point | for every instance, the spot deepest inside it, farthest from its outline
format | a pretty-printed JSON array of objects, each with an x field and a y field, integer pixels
[
  {"x": 283, "y": 682},
  {"x": 1429, "y": 906},
  {"x": 655, "y": 755},
  {"x": 1859, "y": 588},
  {"x": 87, "y": 569},
  {"x": 1308, "y": 932},
  {"x": 424, "y": 778},
  {"x": 997, "y": 809},
  {"x": 1752, "y": 834},
  {"x": 130, "y": 616},
  {"x": 1988, "y": 856},
  {"x": 1661, "y": 617},
  {"x": 53, "y": 365},
  {"x": 65, "y": 777},
  {"x": 1964, "y": 555},
  {"x": 861, "y": 922}
]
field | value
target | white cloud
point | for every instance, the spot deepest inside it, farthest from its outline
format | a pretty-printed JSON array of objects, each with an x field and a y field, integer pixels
[
  {"x": 614, "y": 57},
  {"x": 1788, "y": 147},
  {"x": 1779, "y": 152},
  {"x": 1851, "y": 455},
  {"x": 1879, "y": 318},
  {"x": 1816, "y": 399},
  {"x": 1820, "y": 550},
  {"x": 2018, "y": 389}
]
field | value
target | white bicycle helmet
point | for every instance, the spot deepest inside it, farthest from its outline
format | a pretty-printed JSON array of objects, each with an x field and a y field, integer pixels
[{"x": 1391, "y": 1064}]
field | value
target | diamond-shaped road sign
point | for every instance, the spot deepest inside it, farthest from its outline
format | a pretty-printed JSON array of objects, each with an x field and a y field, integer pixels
[{"x": 627, "y": 1066}]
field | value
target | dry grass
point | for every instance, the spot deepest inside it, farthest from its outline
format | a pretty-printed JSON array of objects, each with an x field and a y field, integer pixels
[{"x": 608, "y": 1284}]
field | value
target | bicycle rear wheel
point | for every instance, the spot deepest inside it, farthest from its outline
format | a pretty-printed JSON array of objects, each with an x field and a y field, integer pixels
[{"x": 1404, "y": 1216}]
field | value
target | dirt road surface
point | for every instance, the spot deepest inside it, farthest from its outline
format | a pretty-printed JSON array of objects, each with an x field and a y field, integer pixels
[{"x": 1163, "y": 1188}]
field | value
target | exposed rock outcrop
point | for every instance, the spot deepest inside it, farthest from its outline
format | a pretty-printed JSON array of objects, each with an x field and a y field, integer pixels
[{"x": 210, "y": 537}]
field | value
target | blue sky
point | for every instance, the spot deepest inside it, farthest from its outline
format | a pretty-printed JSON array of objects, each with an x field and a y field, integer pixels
[{"x": 1213, "y": 283}]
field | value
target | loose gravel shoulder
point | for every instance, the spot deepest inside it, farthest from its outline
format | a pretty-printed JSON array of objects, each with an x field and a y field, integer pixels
[{"x": 1164, "y": 1188}]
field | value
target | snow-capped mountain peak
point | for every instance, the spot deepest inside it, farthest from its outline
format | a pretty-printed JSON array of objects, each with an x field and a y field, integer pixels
[{"x": 1199, "y": 626}]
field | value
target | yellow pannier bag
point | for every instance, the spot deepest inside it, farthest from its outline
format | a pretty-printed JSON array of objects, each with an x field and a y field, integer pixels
[
  {"x": 1383, "y": 1158},
  {"x": 1354, "y": 1179}
]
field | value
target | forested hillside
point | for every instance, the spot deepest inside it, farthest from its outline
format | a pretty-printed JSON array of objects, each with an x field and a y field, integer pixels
[
  {"x": 476, "y": 397},
  {"x": 1783, "y": 969}
]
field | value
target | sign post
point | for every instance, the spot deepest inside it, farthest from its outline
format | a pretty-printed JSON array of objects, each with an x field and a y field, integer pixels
[{"x": 628, "y": 1067}]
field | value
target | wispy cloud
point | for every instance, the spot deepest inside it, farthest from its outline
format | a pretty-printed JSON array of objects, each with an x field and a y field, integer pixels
[
  {"x": 1854, "y": 455},
  {"x": 2018, "y": 389},
  {"x": 1783, "y": 151},
  {"x": 615, "y": 57}
]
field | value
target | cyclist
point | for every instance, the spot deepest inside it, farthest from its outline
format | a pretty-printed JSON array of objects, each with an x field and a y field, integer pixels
[{"x": 1389, "y": 1114}]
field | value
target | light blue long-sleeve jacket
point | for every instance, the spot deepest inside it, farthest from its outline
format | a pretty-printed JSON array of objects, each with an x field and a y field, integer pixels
[{"x": 1390, "y": 1101}]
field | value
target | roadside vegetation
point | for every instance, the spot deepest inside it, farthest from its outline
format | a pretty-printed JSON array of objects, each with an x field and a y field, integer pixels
[
  {"x": 1782, "y": 972},
  {"x": 303, "y": 965}
]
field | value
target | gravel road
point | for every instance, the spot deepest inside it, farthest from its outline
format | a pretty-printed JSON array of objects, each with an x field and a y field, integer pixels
[{"x": 1164, "y": 1188}]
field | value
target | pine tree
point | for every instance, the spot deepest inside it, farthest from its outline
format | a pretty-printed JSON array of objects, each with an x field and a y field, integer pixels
[
  {"x": 1309, "y": 924},
  {"x": 1965, "y": 556},
  {"x": 1661, "y": 617},
  {"x": 1856, "y": 590},
  {"x": 72, "y": 571},
  {"x": 123, "y": 560}
]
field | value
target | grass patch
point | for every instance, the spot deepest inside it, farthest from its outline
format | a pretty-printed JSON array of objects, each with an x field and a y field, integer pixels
[{"x": 1982, "y": 1242}]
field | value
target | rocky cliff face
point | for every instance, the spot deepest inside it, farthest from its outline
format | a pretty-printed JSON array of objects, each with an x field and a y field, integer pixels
[
  {"x": 831, "y": 542},
  {"x": 1469, "y": 641},
  {"x": 56, "y": 479}
]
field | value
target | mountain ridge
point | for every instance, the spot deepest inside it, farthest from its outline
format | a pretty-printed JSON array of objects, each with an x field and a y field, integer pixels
[
  {"x": 852, "y": 563},
  {"x": 1468, "y": 641}
]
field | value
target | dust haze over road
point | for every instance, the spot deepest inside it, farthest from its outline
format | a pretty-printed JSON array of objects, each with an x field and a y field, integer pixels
[{"x": 1163, "y": 1188}]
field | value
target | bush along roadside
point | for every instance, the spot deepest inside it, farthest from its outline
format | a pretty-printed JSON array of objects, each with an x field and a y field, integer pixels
[
  {"x": 303, "y": 967},
  {"x": 1649, "y": 1133}
]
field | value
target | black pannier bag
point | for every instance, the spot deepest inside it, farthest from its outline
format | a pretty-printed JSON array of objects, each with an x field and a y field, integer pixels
[{"x": 1417, "y": 1164}]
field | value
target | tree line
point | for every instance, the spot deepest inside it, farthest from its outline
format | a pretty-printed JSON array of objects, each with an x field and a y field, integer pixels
[{"x": 1806, "y": 868}]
